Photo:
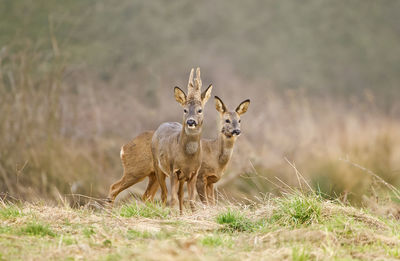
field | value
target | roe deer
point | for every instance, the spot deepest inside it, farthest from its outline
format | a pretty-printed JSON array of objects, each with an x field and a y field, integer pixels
[
  {"x": 137, "y": 161},
  {"x": 176, "y": 148},
  {"x": 218, "y": 152}
]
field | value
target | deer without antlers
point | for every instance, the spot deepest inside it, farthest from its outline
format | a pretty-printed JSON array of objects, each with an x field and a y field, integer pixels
[
  {"x": 176, "y": 148},
  {"x": 218, "y": 152},
  {"x": 137, "y": 161}
]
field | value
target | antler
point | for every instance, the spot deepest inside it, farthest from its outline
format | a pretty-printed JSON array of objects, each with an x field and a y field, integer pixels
[
  {"x": 190, "y": 83},
  {"x": 194, "y": 89},
  {"x": 198, "y": 80}
]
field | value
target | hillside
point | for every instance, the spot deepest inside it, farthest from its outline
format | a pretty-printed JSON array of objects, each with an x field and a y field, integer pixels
[{"x": 293, "y": 227}]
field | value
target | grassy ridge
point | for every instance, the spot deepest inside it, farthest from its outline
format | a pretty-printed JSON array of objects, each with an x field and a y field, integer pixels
[{"x": 293, "y": 227}]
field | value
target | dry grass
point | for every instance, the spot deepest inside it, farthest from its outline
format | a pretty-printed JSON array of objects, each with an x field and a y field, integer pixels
[{"x": 333, "y": 232}]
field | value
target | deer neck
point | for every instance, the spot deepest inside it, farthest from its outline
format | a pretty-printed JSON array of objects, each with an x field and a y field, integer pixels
[
  {"x": 189, "y": 143},
  {"x": 225, "y": 149}
]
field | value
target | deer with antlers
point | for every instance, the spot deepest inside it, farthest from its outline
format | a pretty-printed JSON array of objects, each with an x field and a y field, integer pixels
[
  {"x": 176, "y": 148},
  {"x": 137, "y": 155}
]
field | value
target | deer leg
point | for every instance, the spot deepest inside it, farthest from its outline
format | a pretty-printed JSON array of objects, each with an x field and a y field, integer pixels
[
  {"x": 151, "y": 188},
  {"x": 127, "y": 180},
  {"x": 201, "y": 189},
  {"x": 146, "y": 194},
  {"x": 191, "y": 187},
  {"x": 161, "y": 180},
  {"x": 174, "y": 183},
  {"x": 180, "y": 196},
  {"x": 210, "y": 193},
  {"x": 154, "y": 188}
]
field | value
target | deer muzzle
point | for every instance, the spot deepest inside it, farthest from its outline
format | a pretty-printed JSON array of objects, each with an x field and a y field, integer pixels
[
  {"x": 236, "y": 132},
  {"x": 191, "y": 123}
]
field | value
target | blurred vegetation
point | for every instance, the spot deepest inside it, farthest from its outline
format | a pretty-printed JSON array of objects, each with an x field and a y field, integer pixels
[
  {"x": 322, "y": 46},
  {"x": 80, "y": 78}
]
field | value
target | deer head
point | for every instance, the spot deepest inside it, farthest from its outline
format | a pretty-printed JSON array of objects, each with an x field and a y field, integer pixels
[
  {"x": 193, "y": 103},
  {"x": 230, "y": 120}
]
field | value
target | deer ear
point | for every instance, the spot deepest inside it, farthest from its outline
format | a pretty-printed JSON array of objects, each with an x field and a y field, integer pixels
[
  {"x": 219, "y": 105},
  {"x": 180, "y": 96},
  {"x": 242, "y": 108},
  {"x": 206, "y": 94}
]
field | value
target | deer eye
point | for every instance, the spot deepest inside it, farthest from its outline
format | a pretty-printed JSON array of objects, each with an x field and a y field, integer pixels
[
  {"x": 239, "y": 121},
  {"x": 227, "y": 121},
  {"x": 184, "y": 111},
  {"x": 200, "y": 111}
]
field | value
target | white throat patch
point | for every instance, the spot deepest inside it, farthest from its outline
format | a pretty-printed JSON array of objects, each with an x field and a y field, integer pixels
[
  {"x": 227, "y": 152},
  {"x": 192, "y": 147}
]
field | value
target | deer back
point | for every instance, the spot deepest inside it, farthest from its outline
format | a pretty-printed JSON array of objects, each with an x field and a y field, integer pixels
[{"x": 136, "y": 155}]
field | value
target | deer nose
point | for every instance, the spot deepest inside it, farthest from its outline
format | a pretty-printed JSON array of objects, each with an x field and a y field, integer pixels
[
  {"x": 236, "y": 132},
  {"x": 191, "y": 122}
]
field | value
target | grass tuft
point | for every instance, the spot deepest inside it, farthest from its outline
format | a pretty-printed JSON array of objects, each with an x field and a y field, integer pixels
[
  {"x": 9, "y": 212},
  {"x": 69, "y": 241},
  {"x": 36, "y": 229},
  {"x": 216, "y": 241},
  {"x": 107, "y": 243},
  {"x": 4, "y": 230},
  {"x": 88, "y": 232},
  {"x": 297, "y": 210},
  {"x": 235, "y": 221},
  {"x": 135, "y": 234},
  {"x": 112, "y": 257},
  {"x": 147, "y": 210},
  {"x": 300, "y": 254}
]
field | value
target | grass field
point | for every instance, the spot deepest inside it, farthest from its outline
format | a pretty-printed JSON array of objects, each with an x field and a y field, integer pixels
[{"x": 292, "y": 227}]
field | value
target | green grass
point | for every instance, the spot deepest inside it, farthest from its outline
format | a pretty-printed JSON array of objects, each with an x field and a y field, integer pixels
[
  {"x": 9, "y": 212},
  {"x": 147, "y": 210},
  {"x": 88, "y": 232},
  {"x": 393, "y": 252},
  {"x": 107, "y": 243},
  {"x": 5, "y": 229},
  {"x": 112, "y": 257},
  {"x": 217, "y": 240},
  {"x": 36, "y": 229},
  {"x": 134, "y": 234},
  {"x": 235, "y": 221},
  {"x": 300, "y": 254},
  {"x": 297, "y": 210},
  {"x": 69, "y": 241}
]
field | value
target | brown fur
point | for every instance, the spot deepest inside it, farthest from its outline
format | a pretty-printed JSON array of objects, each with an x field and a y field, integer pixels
[
  {"x": 176, "y": 148},
  {"x": 218, "y": 152},
  {"x": 137, "y": 161}
]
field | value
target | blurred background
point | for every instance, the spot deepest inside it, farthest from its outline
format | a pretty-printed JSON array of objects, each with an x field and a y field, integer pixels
[{"x": 78, "y": 79}]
